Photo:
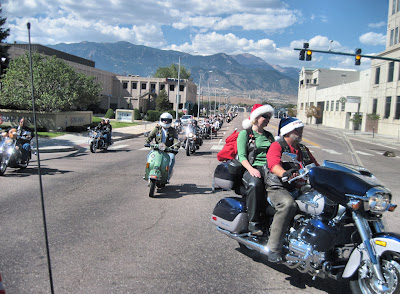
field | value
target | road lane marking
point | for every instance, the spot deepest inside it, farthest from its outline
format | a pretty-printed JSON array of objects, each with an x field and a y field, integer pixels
[
  {"x": 332, "y": 151},
  {"x": 217, "y": 147},
  {"x": 364, "y": 153}
]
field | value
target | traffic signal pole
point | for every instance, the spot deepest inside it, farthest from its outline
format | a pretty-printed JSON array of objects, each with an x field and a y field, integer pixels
[{"x": 349, "y": 54}]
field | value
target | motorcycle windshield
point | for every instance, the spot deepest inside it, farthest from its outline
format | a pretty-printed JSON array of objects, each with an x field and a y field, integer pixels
[{"x": 334, "y": 183}]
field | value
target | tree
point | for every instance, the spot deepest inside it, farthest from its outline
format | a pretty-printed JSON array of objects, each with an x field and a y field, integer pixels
[
  {"x": 162, "y": 101},
  {"x": 57, "y": 86},
  {"x": 172, "y": 72},
  {"x": 356, "y": 119},
  {"x": 3, "y": 48}
]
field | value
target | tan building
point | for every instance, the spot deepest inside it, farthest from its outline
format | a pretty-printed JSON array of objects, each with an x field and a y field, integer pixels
[
  {"x": 373, "y": 93},
  {"x": 121, "y": 92}
]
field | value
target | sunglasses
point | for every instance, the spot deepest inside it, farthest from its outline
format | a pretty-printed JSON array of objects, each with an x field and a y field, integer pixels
[{"x": 266, "y": 116}]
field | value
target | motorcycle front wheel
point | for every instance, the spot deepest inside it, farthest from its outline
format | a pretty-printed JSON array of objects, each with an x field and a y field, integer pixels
[
  {"x": 25, "y": 165},
  {"x": 3, "y": 165},
  {"x": 187, "y": 148},
  {"x": 152, "y": 188},
  {"x": 92, "y": 147},
  {"x": 366, "y": 282}
]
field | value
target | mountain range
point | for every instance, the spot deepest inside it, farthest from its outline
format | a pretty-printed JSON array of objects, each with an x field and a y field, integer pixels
[{"x": 243, "y": 74}]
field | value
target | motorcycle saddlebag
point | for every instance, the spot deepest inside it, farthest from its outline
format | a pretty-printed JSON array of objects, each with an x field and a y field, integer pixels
[
  {"x": 222, "y": 179},
  {"x": 230, "y": 214}
]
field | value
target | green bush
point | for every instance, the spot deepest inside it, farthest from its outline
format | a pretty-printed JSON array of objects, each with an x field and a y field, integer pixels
[
  {"x": 153, "y": 115},
  {"x": 110, "y": 114},
  {"x": 136, "y": 114}
]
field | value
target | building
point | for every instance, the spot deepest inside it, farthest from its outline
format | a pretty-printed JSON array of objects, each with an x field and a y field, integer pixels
[
  {"x": 122, "y": 92},
  {"x": 373, "y": 93}
]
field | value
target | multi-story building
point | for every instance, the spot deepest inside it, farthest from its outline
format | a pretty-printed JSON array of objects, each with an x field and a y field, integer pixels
[
  {"x": 372, "y": 93},
  {"x": 122, "y": 92}
]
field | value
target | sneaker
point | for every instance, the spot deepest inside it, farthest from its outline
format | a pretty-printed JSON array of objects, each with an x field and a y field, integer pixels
[
  {"x": 274, "y": 257},
  {"x": 257, "y": 232}
]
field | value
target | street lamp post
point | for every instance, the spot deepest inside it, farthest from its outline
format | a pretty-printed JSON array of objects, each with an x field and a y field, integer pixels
[{"x": 179, "y": 78}]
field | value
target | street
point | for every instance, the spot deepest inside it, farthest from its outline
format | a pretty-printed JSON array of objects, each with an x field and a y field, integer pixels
[{"x": 107, "y": 236}]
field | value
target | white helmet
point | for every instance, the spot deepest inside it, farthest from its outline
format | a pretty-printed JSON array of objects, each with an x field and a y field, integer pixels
[{"x": 165, "y": 120}]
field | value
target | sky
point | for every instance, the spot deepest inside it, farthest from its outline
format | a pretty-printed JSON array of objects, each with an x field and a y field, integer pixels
[{"x": 269, "y": 29}]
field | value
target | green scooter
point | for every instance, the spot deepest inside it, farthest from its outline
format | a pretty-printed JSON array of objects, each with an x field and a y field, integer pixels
[{"x": 157, "y": 166}]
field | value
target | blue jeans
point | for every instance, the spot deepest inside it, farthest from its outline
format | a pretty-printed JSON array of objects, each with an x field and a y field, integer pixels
[
  {"x": 25, "y": 151},
  {"x": 107, "y": 138}
]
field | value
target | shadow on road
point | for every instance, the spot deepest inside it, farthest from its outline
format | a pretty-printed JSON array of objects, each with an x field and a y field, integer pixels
[
  {"x": 29, "y": 171},
  {"x": 174, "y": 192},
  {"x": 296, "y": 279}
]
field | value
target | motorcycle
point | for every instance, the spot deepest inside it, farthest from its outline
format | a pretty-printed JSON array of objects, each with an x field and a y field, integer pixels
[
  {"x": 338, "y": 231},
  {"x": 10, "y": 153},
  {"x": 97, "y": 141},
  {"x": 157, "y": 166},
  {"x": 191, "y": 142}
]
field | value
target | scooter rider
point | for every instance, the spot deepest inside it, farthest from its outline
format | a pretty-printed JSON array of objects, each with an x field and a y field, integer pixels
[
  {"x": 164, "y": 133},
  {"x": 291, "y": 132}
]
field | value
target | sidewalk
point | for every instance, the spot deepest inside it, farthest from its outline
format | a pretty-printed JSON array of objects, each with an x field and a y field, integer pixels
[
  {"x": 75, "y": 141},
  {"x": 361, "y": 136}
]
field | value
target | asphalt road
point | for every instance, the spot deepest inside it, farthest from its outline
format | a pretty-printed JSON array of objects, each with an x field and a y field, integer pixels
[{"x": 107, "y": 236}]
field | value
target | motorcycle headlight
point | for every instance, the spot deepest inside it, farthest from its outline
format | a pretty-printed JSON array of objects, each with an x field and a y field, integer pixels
[
  {"x": 190, "y": 134},
  {"x": 379, "y": 199},
  {"x": 162, "y": 146}
]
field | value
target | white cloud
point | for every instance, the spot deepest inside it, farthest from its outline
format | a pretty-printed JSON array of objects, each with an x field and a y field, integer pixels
[
  {"x": 377, "y": 25},
  {"x": 374, "y": 39}
]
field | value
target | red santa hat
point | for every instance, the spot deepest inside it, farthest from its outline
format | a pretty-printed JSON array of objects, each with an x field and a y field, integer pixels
[{"x": 257, "y": 111}]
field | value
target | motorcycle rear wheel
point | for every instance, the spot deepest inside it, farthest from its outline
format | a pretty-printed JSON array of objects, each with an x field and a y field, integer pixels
[
  {"x": 368, "y": 282},
  {"x": 152, "y": 188},
  {"x": 3, "y": 166},
  {"x": 92, "y": 148}
]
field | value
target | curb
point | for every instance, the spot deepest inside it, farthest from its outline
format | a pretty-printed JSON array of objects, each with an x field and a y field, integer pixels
[{"x": 54, "y": 149}]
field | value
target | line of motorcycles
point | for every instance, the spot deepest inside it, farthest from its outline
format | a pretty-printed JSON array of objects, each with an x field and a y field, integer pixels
[{"x": 157, "y": 165}]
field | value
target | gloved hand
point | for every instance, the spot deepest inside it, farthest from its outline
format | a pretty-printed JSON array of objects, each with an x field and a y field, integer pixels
[{"x": 287, "y": 174}]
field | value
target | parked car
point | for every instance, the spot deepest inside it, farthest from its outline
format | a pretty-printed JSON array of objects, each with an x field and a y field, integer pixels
[{"x": 185, "y": 119}]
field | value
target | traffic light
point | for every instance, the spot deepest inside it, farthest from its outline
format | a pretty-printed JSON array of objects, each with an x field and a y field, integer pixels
[
  {"x": 358, "y": 57},
  {"x": 309, "y": 55},
  {"x": 302, "y": 54}
]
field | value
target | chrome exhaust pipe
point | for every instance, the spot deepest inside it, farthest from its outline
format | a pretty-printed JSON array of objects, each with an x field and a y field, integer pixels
[{"x": 245, "y": 241}]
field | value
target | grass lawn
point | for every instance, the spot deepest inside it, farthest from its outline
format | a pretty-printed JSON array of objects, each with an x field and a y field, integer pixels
[{"x": 97, "y": 120}]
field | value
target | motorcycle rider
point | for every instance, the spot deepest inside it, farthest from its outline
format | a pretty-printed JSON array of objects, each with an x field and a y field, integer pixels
[
  {"x": 196, "y": 130},
  {"x": 24, "y": 137},
  {"x": 253, "y": 160},
  {"x": 102, "y": 128},
  {"x": 108, "y": 131},
  {"x": 163, "y": 132},
  {"x": 291, "y": 132}
]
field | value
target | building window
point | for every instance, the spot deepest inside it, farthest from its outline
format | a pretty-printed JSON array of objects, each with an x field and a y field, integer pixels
[
  {"x": 144, "y": 86},
  {"x": 301, "y": 106},
  {"x": 390, "y": 72},
  {"x": 124, "y": 85},
  {"x": 398, "y": 8},
  {"x": 374, "y": 105},
  {"x": 377, "y": 74},
  {"x": 397, "y": 112},
  {"x": 134, "y": 85},
  {"x": 396, "y": 35},
  {"x": 301, "y": 82},
  {"x": 343, "y": 106},
  {"x": 394, "y": 7},
  {"x": 181, "y": 88},
  {"x": 337, "y": 105},
  {"x": 391, "y": 37},
  {"x": 315, "y": 81},
  {"x": 172, "y": 87},
  {"x": 327, "y": 106},
  {"x": 387, "y": 106},
  {"x": 332, "y": 105},
  {"x": 162, "y": 87}
]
